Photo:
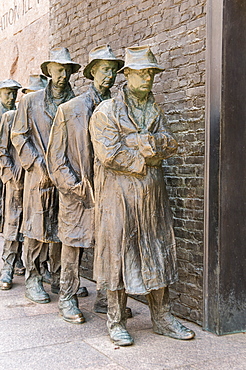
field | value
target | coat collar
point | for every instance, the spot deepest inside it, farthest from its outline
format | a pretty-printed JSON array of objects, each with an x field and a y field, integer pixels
[
  {"x": 50, "y": 107},
  {"x": 152, "y": 111},
  {"x": 96, "y": 96}
]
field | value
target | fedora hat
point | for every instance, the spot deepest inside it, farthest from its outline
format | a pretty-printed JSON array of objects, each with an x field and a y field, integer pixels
[
  {"x": 61, "y": 56},
  {"x": 140, "y": 57},
  {"x": 10, "y": 84},
  {"x": 103, "y": 52},
  {"x": 36, "y": 82}
]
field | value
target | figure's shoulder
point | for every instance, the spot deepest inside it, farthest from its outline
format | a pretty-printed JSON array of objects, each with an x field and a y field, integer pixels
[
  {"x": 9, "y": 115},
  {"x": 105, "y": 105},
  {"x": 75, "y": 105},
  {"x": 32, "y": 97}
]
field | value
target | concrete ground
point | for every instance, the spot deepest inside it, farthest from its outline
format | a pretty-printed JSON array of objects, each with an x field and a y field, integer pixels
[{"x": 34, "y": 337}]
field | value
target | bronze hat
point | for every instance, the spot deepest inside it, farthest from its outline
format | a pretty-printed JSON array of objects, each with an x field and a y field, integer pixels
[
  {"x": 10, "y": 84},
  {"x": 103, "y": 52},
  {"x": 140, "y": 57},
  {"x": 60, "y": 56},
  {"x": 36, "y": 82}
]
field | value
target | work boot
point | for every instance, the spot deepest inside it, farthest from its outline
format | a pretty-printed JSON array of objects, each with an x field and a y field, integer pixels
[
  {"x": 6, "y": 279},
  {"x": 82, "y": 292},
  {"x": 19, "y": 268},
  {"x": 120, "y": 336},
  {"x": 35, "y": 290},
  {"x": 101, "y": 304},
  {"x": 171, "y": 327},
  {"x": 70, "y": 311},
  {"x": 164, "y": 322}
]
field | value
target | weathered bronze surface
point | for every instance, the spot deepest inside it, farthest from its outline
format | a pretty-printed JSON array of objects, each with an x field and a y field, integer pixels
[
  {"x": 11, "y": 187},
  {"x": 30, "y": 134},
  {"x": 135, "y": 246},
  {"x": 36, "y": 82},
  {"x": 70, "y": 164}
]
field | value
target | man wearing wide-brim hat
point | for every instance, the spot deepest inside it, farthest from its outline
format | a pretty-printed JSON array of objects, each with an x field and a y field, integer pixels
[
  {"x": 30, "y": 135},
  {"x": 11, "y": 175},
  {"x": 8, "y": 93},
  {"x": 135, "y": 247},
  {"x": 36, "y": 82},
  {"x": 70, "y": 164}
]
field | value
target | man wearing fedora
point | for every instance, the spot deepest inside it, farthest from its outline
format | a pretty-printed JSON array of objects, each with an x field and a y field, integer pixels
[
  {"x": 135, "y": 245},
  {"x": 30, "y": 135},
  {"x": 12, "y": 178},
  {"x": 70, "y": 164}
]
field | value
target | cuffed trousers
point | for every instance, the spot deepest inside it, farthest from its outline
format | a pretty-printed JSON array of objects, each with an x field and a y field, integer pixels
[
  {"x": 32, "y": 250},
  {"x": 10, "y": 251}
]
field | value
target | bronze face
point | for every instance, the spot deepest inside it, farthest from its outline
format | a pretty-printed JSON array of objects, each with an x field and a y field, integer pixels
[
  {"x": 104, "y": 73},
  {"x": 8, "y": 97},
  {"x": 140, "y": 81},
  {"x": 59, "y": 73}
]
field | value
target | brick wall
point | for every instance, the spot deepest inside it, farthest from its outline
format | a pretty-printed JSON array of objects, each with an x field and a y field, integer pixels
[{"x": 176, "y": 31}]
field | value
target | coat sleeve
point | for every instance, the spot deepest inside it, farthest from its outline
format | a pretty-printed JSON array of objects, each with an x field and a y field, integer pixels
[
  {"x": 59, "y": 167},
  {"x": 157, "y": 144},
  {"x": 8, "y": 168},
  {"x": 110, "y": 148},
  {"x": 21, "y": 136}
]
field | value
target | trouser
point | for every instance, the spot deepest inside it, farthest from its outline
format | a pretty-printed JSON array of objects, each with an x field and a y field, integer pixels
[
  {"x": 32, "y": 250},
  {"x": 10, "y": 250},
  {"x": 158, "y": 304},
  {"x": 55, "y": 262},
  {"x": 69, "y": 281}
]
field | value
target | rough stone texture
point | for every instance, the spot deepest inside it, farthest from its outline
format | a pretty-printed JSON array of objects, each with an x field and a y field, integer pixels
[
  {"x": 24, "y": 38},
  {"x": 176, "y": 31}
]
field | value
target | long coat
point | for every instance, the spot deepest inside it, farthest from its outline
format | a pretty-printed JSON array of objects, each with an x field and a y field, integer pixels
[
  {"x": 135, "y": 245},
  {"x": 30, "y": 135},
  {"x": 70, "y": 164},
  {"x": 12, "y": 176},
  {"x": 3, "y": 110}
]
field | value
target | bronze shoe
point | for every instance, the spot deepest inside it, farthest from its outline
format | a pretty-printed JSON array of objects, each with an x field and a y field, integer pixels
[
  {"x": 82, "y": 292},
  {"x": 120, "y": 336},
  {"x": 6, "y": 280},
  {"x": 36, "y": 293},
  {"x": 70, "y": 311},
  {"x": 171, "y": 327}
]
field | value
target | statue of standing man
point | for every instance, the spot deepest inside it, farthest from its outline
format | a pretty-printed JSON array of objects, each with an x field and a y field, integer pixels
[
  {"x": 70, "y": 163},
  {"x": 30, "y": 135},
  {"x": 135, "y": 248}
]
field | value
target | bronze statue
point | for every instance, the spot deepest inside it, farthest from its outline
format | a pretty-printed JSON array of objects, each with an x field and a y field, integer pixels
[
  {"x": 135, "y": 248},
  {"x": 12, "y": 177},
  {"x": 70, "y": 164},
  {"x": 39, "y": 82},
  {"x": 30, "y": 134},
  {"x": 36, "y": 82}
]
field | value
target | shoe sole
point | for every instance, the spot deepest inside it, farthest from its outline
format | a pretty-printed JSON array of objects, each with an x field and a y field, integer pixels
[
  {"x": 5, "y": 287},
  {"x": 41, "y": 302},
  {"x": 122, "y": 343},
  {"x": 191, "y": 336},
  {"x": 71, "y": 321}
]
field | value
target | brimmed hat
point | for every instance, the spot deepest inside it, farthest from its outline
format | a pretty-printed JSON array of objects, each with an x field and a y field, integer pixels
[
  {"x": 36, "y": 82},
  {"x": 140, "y": 57},
  {"x": 10, "y": 84},
  {"x": 103, "y": 52},
  {"x": 61, "y": 56}
]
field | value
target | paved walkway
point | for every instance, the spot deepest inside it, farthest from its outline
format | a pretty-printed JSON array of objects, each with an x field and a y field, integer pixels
[{"x": 34, "y": 337}]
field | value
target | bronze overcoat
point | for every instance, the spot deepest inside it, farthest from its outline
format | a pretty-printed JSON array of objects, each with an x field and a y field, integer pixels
[
  {"x": 70, "y": 164},
  {"x": 30, "y": 135},
  {"x": 135, "y": 245},
  {"x": 12, "y": 176},
  {"x": 3, "y": 109}
]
